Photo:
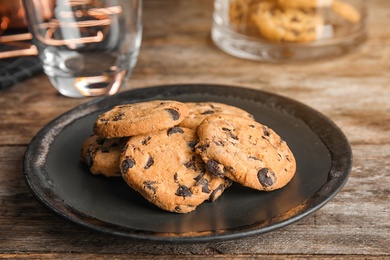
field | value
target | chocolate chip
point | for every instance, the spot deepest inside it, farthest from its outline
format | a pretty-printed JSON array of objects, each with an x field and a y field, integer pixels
[
  {"x": 175, "y": 130},
  {"x": 191, "y": 145},
  {"x": 177, "y": 209},
  {"x": 190, "y": 164},
  {"x": 175, "y": 177},
  {"x": 202, "y": 148},
  {"x": 215, "y": 168},
  {"x": 230, "y": 133},
  {"x": 216, "y": 193},
  {"x": 146, "y": 141},
  {"x": 174, "y": 113},
  {"x": 218, "y": 143},
  {"x": 266, "y": 177},
  {"x": 197, "y": 178},
  {"x": 183, "y": 191},
  {"x": 149, "y": 186},
  {"x": 233, "y": 136},
  {"x": 118, "y": 117},
  {"x": 252, "y": 140},
  {"x": 265, "y": 131},
  {"x": 254, "y": 158},
  {"x": 295, "y": 19},
  {"x": 205, "y": 185},
  {"x": 207, "y": 112},
  {"x": 89, "y": 158},
  {"x": 149, "y": 163},
  {"x": 126, "y": 164}
]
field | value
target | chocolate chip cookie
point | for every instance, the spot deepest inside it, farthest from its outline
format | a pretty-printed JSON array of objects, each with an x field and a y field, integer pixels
[
  {"x": 198, "y": 111},
  {"x": 164, "y": 168},
  {"x": 245, "y": 151},
  {"x": 341, "y": 8},
  {"x": 102, "y": 155},
  {"x": 140, "y": 118},
  {"x": 287, "y": 25},
  {"x": 240, "y": 14}
]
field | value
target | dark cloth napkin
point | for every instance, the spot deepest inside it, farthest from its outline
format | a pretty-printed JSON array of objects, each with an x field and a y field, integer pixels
[{"x": 13, "y": 70}]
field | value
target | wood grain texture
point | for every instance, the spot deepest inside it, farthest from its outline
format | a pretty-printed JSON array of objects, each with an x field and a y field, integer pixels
[{"x": 352, "y": 90}]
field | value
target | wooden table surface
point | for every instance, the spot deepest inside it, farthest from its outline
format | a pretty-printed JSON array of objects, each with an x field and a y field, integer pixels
[{"x": 353, "y": 91}]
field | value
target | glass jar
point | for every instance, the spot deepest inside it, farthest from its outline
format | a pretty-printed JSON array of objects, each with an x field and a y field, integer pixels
[{"x": 283, "y": 30}]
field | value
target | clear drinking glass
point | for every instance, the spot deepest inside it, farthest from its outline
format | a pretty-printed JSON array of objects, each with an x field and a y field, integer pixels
[
  {"x": 87, "y": 47},
  {"x": 287, "y": 30}
]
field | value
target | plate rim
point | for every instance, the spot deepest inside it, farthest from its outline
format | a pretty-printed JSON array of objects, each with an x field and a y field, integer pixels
[{"x": 341, "y": 161}]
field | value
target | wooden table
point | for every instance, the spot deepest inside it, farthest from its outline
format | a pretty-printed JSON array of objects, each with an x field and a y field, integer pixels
[{"x": 353, "y": 91}]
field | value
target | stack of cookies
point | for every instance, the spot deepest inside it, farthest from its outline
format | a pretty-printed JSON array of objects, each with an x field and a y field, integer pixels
[{"x": 178, "y": 155}]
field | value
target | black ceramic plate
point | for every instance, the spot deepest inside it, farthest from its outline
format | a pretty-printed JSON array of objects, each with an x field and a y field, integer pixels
[{"x": 57, "y": 178}]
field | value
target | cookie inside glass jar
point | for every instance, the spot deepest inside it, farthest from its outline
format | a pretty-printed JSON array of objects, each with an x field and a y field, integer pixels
[{"x": 294, "y": 21}]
